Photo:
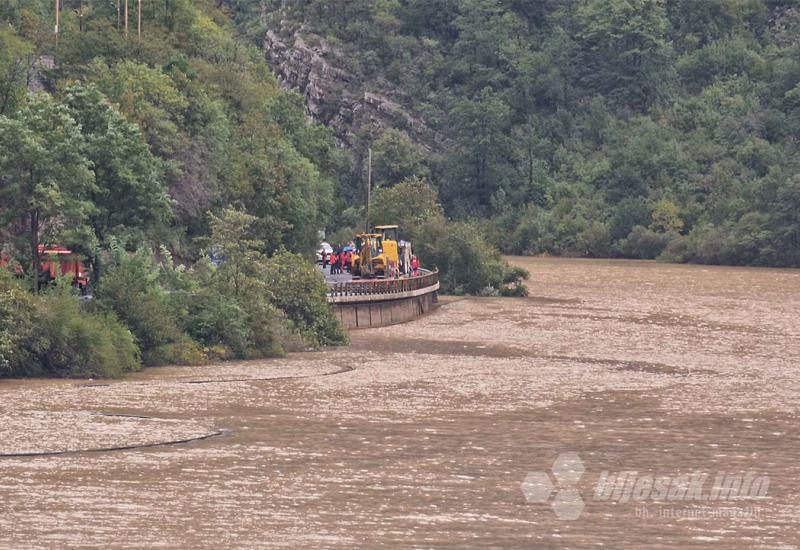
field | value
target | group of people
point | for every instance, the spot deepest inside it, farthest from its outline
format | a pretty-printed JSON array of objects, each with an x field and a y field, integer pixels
[
  {"x": 340, "y": 259},
  {"x": 412, "y": 269}
]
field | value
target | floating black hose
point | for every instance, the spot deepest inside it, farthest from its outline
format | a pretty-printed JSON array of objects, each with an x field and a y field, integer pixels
[
  {"x": 215, "y": 433},
  {"x": 228, "y": 380},
  {"x": 119, "y": 447}
]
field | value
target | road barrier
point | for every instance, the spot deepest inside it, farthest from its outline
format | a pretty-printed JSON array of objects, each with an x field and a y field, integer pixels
[
  {"x": 366, "y": 303},
  {"x": 371, "y": 289}
]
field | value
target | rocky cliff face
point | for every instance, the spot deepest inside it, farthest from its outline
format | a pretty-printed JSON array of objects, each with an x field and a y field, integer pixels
[
  {"x": 333, "y": 96},
  {"x": 39, "y": 69}
]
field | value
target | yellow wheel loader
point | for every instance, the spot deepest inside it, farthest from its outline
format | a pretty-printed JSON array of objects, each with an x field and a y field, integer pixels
[{"x": 378, "y": 253}]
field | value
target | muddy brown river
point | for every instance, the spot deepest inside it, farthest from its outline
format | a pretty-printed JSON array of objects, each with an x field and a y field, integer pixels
[{"x": 621, "y": 405}]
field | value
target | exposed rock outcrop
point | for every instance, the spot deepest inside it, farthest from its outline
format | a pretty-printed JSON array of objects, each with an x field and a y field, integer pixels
[
  {"x": 38, "y": 78},
  {"x": 334, "y": 96}
]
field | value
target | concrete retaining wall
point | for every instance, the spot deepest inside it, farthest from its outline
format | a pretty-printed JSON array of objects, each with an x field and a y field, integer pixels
[{"x": 384, "y": 312}]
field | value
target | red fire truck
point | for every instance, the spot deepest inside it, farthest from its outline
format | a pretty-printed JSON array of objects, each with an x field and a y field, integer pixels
[{"x": 55, "y": 261}]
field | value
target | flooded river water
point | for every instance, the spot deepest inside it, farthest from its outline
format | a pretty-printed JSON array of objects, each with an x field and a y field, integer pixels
[{"x": 623, "y": 404}]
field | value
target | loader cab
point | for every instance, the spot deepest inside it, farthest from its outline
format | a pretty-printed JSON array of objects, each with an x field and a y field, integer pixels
[{"x": 388, "y": 232}]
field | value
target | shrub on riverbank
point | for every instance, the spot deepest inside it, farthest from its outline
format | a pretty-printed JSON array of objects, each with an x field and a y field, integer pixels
[
  {"x": 74, "y": 343},
  {"x": 16, "y": 324},
  {"x": 468, "y": 263},
  {"x": 129, "y": 288},
  {"x": 51, "y": 335},
  {"x": 240, "y": 319},
  {"x": 300, "y": 291},
  {"x": 249, "y": 305},
  {"x": 281, "y": 299},
  {"x": 147, "y": 310}
]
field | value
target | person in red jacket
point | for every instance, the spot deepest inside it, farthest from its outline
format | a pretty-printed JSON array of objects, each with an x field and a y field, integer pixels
[
  {"x": 415, "y": 266},
  {"x": 334, "y": 262},
  {"x": 348, "y": 260}
]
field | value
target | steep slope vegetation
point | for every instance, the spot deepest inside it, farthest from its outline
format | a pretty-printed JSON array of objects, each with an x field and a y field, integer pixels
[
  {"x": 150, "y": 155},
  {"x": 634, "y": 128}
]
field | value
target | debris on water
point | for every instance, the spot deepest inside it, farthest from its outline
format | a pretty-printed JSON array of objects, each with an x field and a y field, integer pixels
[{"x": 419, "y": 435}]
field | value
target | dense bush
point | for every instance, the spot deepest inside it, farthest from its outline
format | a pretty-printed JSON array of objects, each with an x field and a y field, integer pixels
[
  {"x": 129, "y": 288},
  {"x": 467, "y": 261},
  {"x": 513, "y": 281},
  {"x": 248, "y": 305},
  {"x": 184, "y": 351},
  {"x": 51, "y": 335},
  {"x": 299, "y": 290},
  {"x": 215, "y": 320},
  {"x": 243, "y": 325},
  {"x": 271, "y": 291},
  {"x": 75, "y": 343},
  {"x": 643, "y": 243},
  {"x": 17, "y": 325}
]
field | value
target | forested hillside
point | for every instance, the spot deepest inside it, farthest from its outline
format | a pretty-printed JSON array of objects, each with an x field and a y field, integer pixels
[
  {"x": 215, "y": 126},
  {"x": 629, "y": 128},
  {"x": 153, "y": 137},
  {"x": 147, "y": 150}
]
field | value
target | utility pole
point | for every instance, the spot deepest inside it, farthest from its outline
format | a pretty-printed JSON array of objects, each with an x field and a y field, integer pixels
[
  {"x": 58, "y": 21},
  {"x": 35, "y": 264},
  {"x": 369, "y": 184}
]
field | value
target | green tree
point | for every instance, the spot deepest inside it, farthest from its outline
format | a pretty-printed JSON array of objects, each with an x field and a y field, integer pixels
[
  {"x": 147, "y": 97},
  {"x": 46, "y": 179},
  {"x": 666, "y": 216},
  {"x": 623, "y": 49},
  {"x": 234, "y": 238},
  {"x": 396, "y": 157},
  {"x": 478, "y": 164},
  {"x": 697, "y": 24},
  {"x": 129, "y": 196},
  {"x": 281, "y": 188},
  {"x": 409, "y": 204},
  {"x": 487, "y": 34},
  {"x": 267, "y": 291},
  {"x": 17, "y": 323},
  {"x": 130, "y": 289},
  {"x": 299, "y": 290},
  {"x": 14, "y": 67}
]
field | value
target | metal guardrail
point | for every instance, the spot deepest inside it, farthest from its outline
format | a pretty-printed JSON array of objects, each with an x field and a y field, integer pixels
[{"x": 383, "y": 288}]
